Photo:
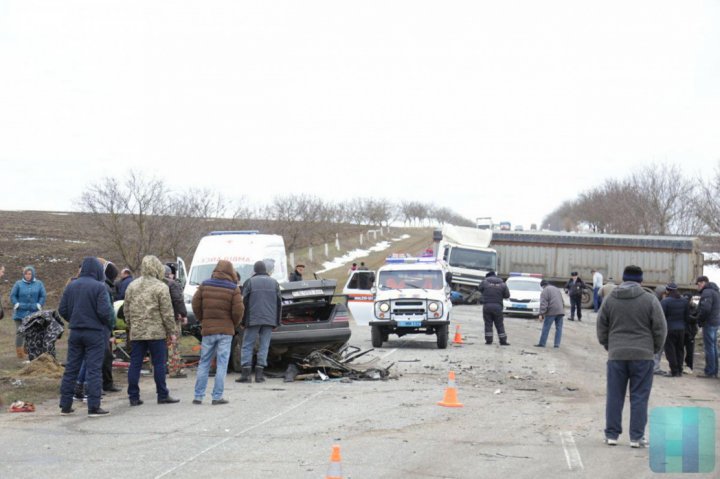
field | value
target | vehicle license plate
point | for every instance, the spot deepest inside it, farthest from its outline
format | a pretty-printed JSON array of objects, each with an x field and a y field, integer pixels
[
  {"x": 307, "y": 292},
  {"x": 519, "y": 306},
  {"x": 409, "y": 324}
]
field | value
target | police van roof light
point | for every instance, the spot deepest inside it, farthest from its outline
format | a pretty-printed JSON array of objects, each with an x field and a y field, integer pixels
[
  {"x": 527, "y": 275},
  {"x": 239, "y": 232}
]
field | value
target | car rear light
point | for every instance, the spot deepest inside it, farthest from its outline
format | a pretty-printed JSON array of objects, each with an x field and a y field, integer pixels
[{"x": 342, "y": 317}]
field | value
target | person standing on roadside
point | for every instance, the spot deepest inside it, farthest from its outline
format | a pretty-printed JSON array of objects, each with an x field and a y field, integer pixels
[
  {"x": 631, "y": 327},
  {"x": 2, "y": 273},
  {"x": 180, "y": 313},
  {"x": 218, "y": 306},
  {"x": 86, "y": 306},
  {"x": 677, "y": 313},
  {"x": 552, "y": 310},
  {"x": 122, "y": 284},
  {"x": 597, "y": 284},
  {"x": 494, "y": 290},
  {"x": 606, "y": 289},
  {"x": 27, "y": 297},
  {"x": 574, "y": 289},
  {"x": 709, "y": 320},
  {"x": 149, "y": 318},
  {"x": 297, "y": 274},
  {"x": 262, "y": 300}
]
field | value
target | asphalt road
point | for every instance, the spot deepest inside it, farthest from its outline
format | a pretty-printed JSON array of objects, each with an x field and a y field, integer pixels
[{"x": 528, "y": 413}]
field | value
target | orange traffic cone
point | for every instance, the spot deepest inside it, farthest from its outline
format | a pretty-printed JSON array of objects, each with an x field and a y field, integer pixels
[
  {"x": 335, "y": 468},
  {"x": 458, "y": 336},
  {"x": 450, "y": 399}
]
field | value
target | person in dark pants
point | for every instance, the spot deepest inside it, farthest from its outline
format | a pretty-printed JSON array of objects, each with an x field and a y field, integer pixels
[
  {"x": 677, "y": 313},
  {"x": 631, "y": 327},
  {"x": 494, "y": 290},
  {"x": 709, "y": 321},
  {"x": 149, "y": 317},
  {"x": 262, "y": 300},
  {"x": 86, "y": 306},
  {"x": 691, "y": 330},
  {"x": 574, "y": 289}
]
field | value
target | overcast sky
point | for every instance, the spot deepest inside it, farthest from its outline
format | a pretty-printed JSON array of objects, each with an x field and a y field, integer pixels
[{"x": 490, "y": 108}]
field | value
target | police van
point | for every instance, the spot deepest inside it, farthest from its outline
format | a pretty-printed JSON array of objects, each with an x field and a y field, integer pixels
[{"x": 412, "y": 296}]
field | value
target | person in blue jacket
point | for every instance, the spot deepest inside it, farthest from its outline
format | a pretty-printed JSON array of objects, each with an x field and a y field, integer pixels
[{"x": 27, "y": 297}]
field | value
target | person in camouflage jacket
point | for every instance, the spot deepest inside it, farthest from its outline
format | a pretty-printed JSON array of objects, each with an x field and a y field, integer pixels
[{"x": 151, "y": 321}]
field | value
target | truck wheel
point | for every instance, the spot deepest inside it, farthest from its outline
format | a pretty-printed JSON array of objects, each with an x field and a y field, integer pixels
[
  {"x": 587, "y": 298},
  {"x": 442, "y": 336},
  {"x": 235, "y": 348},
  {"x": 376, "y": 336}
]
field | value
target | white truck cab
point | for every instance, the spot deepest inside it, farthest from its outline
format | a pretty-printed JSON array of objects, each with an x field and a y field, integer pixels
[{"x": 412, "y": 295}]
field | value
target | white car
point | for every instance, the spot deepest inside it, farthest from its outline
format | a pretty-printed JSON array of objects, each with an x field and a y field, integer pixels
[{"x": 525, "y": 292}]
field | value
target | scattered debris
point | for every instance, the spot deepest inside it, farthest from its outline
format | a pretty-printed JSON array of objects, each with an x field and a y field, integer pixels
[
  {"x": 324, "y": 365},
  {"x": 22, "y": 406},
  {"x": 44, "y": 366},
  {"x": 497, "y": 391},
  {"x": 571, "y": 389},
  {"x": 526, "y": 389},
  {"x": 528, "y": 353}
]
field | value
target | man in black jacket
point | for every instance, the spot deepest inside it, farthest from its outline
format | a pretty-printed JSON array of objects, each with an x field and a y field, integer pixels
[
  {"x": 494, "y": 290},
  {"x": 86, "y": 306},
  {"x": 709, "y": 320},
  {"x": 297, "y": 274},
  {"x": 574, "y": 288}
]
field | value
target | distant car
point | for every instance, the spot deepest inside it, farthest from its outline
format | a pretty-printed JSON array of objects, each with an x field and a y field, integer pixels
[
  {"x": 524, "y": 298},
  {"x": 309, "y": 321},
  {"x": 519, "y": 228}
]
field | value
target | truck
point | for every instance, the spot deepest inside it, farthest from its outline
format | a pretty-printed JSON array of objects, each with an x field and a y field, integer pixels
[
  {"x": 468, "y": 257},
  {"x": 412, "y": 296},
  {"x": 484, "y": 223},
  {"x": 505, "y": 226},
  {"x": 555, "y": 255}
]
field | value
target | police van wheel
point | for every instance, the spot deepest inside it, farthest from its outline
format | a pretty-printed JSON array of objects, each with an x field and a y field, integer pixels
[
  {"x": 376, "y": 336},
  {"x": 442, "y": 336}
]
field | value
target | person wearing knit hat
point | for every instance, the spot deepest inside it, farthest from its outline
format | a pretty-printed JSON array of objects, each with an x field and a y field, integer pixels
[
  {"x": 677, "y": 314},
  {"x": 631, "y": 327},
  {"x": 709, "y": 321}
]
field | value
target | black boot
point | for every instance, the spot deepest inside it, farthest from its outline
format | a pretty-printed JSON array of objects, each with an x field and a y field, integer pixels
[
  {"x": 244, "y": 375},
  {"x": 259, "y": 378}
]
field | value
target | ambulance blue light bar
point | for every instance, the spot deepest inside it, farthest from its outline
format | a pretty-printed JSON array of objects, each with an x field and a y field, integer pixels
[
  {"x": 239, "y": 232},
  {"x": 528, "y": 275},
  {"x": 414, "y": 260}
]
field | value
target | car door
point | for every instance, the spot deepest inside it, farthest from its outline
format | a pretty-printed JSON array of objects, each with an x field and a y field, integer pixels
[
  {"x": 181, "y": 273},
  {"x": 360, "y": 297}
]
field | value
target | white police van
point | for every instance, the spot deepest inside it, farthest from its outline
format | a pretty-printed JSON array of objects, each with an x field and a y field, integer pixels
[{"x": 412, "y": 296}]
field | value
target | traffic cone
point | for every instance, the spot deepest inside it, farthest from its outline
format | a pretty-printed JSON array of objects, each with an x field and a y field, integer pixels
[
  {"x": 450, "y": 399},
  {"x": 335, "y": 468},
  {"x": 458, "y": 337}
]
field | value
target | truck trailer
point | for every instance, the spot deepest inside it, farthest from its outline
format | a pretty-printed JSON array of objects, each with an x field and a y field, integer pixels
[{"x": 555, "y": 255}]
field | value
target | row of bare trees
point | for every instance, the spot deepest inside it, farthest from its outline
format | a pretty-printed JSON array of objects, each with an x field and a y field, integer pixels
[
  {"x": 658, "y": 199},
  {"x": 139, "y": 215}
]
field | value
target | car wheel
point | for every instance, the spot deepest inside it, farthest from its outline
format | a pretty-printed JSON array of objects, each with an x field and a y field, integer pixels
[
  {"x": 442, "y": 336},
  {"x": 235, "y": 348},
  {"x": 376, "y": 336}
]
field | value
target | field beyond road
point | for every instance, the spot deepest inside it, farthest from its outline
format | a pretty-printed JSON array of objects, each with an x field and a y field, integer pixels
[{"x": 528, "y": 413}]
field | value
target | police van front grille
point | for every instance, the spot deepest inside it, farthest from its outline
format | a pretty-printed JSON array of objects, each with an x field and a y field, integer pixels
[{"x": 408, "y": 307}]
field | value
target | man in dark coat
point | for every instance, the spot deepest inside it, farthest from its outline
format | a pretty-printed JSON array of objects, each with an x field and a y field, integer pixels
[
  {"x": 122, "y": 284},
  {"x": 85, "y": 304},
  {"x": 677, "y": 313},
  {"x": 494, "y": 290},
  {"x": 297, "y": 274},
  {"x": 709, "y": 320},
  {"x": 574, "y": 288},
  {"x": 261, "y": 296}
]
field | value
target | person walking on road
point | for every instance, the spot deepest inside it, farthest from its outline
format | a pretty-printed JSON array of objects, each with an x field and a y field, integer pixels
[
  {"x": 709, "y": 320},
  {"x": 149, "y": 318},
  {"x": 597, "y": 284},
  {"x": 494, "y": 290},
  {"x": 574, "y": 289},
  {"x": 631, "y": 327},
  {"x": 677, "y": 313},
  {"x": 86, "y": 305},
  {"x": 261, "y": 296},
  {"x": 552, "y": 310},
  {"x": 218, "y": 306},
  {"x": 27, "y": 296}
]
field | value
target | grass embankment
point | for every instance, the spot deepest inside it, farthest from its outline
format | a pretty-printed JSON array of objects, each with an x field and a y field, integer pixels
[{"x": 38, "y": 389}]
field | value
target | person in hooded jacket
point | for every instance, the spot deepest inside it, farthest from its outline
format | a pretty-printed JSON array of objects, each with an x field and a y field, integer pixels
[
  {"x": 709, "y": 321},
  {"x": 27, "y": 296},
  {"x": 631, "y": 327},
  {"x": 261, "y": 296},
  {"x": 677, "y": 313},
  {"x": 494, "y": 290},
  {"x": 218, "y": 306},
  {"x": 150, "y": 320},
  {"x": 86, "y": 306}
]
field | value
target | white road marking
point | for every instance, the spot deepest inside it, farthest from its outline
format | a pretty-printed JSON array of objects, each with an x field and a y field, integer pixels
[
  {"x": 247, "y": 429},
  {"x": 572, "y": 455}
]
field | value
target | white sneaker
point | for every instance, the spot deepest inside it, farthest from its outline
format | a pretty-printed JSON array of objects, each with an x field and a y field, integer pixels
[
  {"x": 611, "y": 442},
  {"x": 640, "y": 443},
  {"x": 687, "y": 370}
]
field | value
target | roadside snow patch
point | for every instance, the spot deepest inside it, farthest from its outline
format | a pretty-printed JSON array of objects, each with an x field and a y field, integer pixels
[
  {"x": 712, "y": 271},
  {"x": 351, "y": 255}
]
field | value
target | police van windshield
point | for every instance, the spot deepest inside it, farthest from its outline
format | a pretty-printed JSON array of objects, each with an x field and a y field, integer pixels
[{"x": 419, "y": 279}]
